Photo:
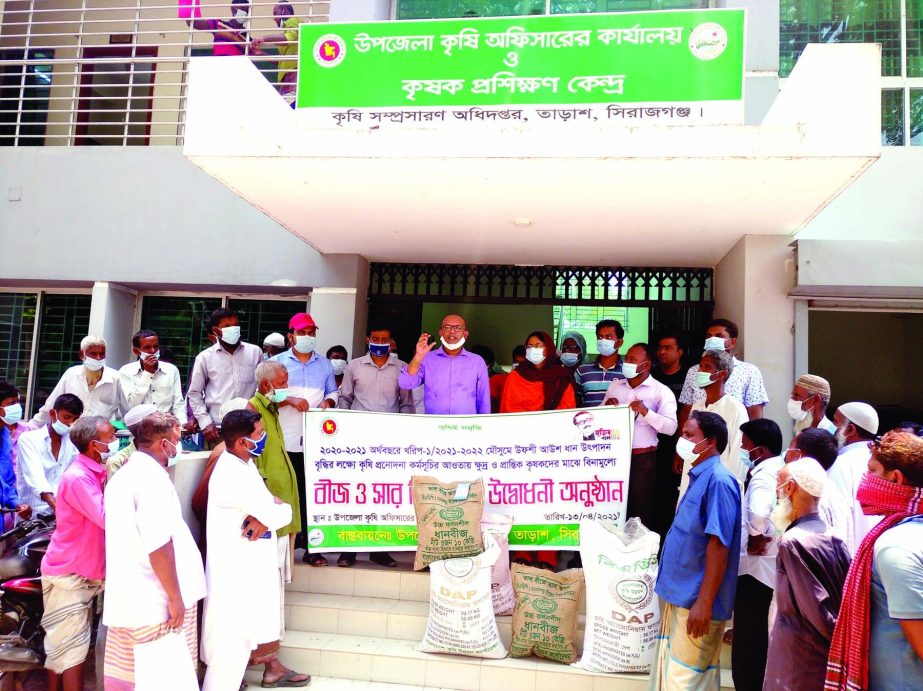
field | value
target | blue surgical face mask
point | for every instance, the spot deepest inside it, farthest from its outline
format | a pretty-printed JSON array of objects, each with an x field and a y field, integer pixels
[
  {"x": 715, "y": 343},
  {"x": 379, "y": 349},
  {"x": 260, "y": 445},
  {"x": 632, "y": 370},
  {"x": 60, "y": 428},
  {"x": 605, "y": 347},
  {"x": 570, "y": 359},
  {"x": 745, "y": 458}
]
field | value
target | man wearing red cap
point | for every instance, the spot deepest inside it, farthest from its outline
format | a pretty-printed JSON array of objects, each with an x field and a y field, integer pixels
[{"x": 311, "y": 384}]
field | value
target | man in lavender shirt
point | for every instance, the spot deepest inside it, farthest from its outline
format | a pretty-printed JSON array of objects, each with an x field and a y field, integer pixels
[{"x": 455, "y": 381}]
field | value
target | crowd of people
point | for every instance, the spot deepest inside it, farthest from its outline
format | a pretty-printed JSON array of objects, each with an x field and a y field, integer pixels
[{"x": 814, "y": 551}]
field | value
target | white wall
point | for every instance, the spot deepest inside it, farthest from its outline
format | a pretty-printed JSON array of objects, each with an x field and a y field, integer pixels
[
  {"x": 112, "y": 316},
  {"x": 752, "y": 283}
]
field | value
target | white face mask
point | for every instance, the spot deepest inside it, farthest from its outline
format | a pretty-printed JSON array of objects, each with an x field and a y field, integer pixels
[
  {"x": 715, "y": 343},
  {"x": 686, "y": 449},
  {"x": 112, "y": 448},
  {"x": 305, "y": 344},
  {"x": 827, "y": 426},
  {"x": 60, "y": 428},
  {"x": 632, "y": 370},
  {"x": 795, "y": 412},
  {"x": 841, "y": 438},
  {"x": 605, "y": 347},
  {"x": 177, "y": 450},
  {"x": 240, "y": 15},
  {"x": 12, "y": 414},
  {"x": 339, "y": 366},
  {"x": 148, "y": 357},
  {"x": 570, "y": 359},
  {"x": 452, "y": 346},
  {"x": 535, "y": 355},
  {"x": 781, "y": 515},
  {"x": 93, "y": 365},
  {"x": 230, "y": 334}
]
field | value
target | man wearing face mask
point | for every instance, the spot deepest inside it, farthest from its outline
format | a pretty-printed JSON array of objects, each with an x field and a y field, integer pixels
[
  {"x": 856, "y": 425},
  {"x": 154, "y": 574},
  {"x": 593, "y": 378},
  {"x": 808, "y": 404},
  {"x": 715, "y": 369},
  {"x": 95, "y": 384},
  {"x": 878, "y": 640},
  {"x": 811, "y": 568},
  {"x": 311, "y": 384},
  {"x": 12, "y": 427},
  {"x": 745, "y": 382},
  {"x": 239, "y": 501},
  {"x": 45, "y": 453},
  {"x": 698, "y": 566},
  {"x": 760, "y": 451},
  {"x": 230, "y": 35},
  {"x": 221, "y": 372},
  {"x": 370, "y": 383},
  {"x": 339, "y": 359},
  {"x": 455, "y": 381},
  {"x": 74, "y": 565},
  {"x": 654, "y": 408},
  {"x": 148, "y": 380}
]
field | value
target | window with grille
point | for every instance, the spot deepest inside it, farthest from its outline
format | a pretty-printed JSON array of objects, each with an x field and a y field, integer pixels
[
  {"x": 64, "y": 320},
  {"x": 17, "y": 327},
  {"x": 180, "y": 324}
]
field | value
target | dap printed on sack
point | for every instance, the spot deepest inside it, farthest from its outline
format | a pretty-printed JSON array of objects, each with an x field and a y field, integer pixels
[
  {"x": 545, "y": 618},
  {"x": 448, "y": 519},
  {"x": 461, "y": 613},
  {"x": 501, "y": 579},
  {"x": 622, "y": 610}
]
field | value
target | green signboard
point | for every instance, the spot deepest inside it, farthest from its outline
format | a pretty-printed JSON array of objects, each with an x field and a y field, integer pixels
[{"x": 687, "y": 57}]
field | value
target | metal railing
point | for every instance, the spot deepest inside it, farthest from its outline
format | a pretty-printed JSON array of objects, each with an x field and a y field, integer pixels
[{"x": 114, "y": 72}]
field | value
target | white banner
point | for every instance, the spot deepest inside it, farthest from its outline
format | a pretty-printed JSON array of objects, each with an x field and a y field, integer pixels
[{"x": 548, "y": 470}]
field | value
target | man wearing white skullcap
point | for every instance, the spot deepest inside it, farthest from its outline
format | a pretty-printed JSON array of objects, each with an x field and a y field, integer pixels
[
  {"x": 132, "y": 421},
  {"x": 857, "y": 425},
  {"x": 811, "y": 568},
  {"x": 273, "y": 344}
]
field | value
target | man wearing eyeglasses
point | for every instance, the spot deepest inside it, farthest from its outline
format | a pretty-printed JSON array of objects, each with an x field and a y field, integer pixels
[{"x": 455, "y": 381}]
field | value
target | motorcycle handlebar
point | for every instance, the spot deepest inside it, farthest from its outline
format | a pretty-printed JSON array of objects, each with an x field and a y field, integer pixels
[{"x": 39, "y": 521}]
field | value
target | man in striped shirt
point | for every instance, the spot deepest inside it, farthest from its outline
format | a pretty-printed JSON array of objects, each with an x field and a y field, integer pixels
[{"x": 594, "y": 378}]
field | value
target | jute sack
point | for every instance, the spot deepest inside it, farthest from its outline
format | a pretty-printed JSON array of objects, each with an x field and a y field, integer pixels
[
  {"x": 501, "y": 580},
  {"x": 461, "y": 615},
  {"x": 545, "y": 618},
  {"x": 448, "y": 519},
  {"x": 622, "y": 610}
]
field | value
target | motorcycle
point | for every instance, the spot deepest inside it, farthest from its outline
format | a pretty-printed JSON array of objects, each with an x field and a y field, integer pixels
[{"x": 21, "y": 606}]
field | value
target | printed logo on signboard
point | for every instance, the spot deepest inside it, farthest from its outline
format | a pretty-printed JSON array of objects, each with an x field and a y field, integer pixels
[
  {"x": 707, "y": 41},
  {"x": 315, "y": 537},
  {"x": 329, "y": 427},
  {"x": 329, "y": 50}
]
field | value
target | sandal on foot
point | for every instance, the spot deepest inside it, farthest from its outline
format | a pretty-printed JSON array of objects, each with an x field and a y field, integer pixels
[
  {"x": 347, "y": 559},
  {"x": 287, "y": 681},
  {"x": 314, "y": 559}
]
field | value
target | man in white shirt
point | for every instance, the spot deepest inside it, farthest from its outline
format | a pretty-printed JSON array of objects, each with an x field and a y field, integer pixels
[
  {"x": 45, "y": 453},
  {"x": 654, "y": 408},
  {"x": 154, "y": 575},
  {"x": 834, "y": 509},
  {"x": 224, "y": 371},
  {"x": 856, "y": 425},
  {"x": 713, "y": 371},
  {"x": 96, "y": 385},
  {"x": 808, "y": 403},
  {"x": 745, "y": 382},
  {"x": 760, "y": 450},
  {"x": 242, "y": 558},
  {"x": 148, "y": 380}
]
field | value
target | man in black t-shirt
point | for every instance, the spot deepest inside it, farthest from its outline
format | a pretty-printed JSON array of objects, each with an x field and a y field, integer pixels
[{"x": 671, "y": 373}]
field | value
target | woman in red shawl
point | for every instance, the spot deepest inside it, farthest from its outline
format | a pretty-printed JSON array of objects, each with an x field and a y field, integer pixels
[{"x": 539, "y": 383}]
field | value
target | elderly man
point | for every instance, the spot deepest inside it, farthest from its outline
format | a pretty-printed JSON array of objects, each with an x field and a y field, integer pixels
[
  {"x": 96, "y": 385},
  {"x": 238, "y": 500},
  {"x": 856, "y": 425},
  {"x": 74, "y": 565},
  {"x": 455, "y": 381},
  {"x": 148, "y": 380},
  {"x": 715, "y": 368},
  {"x": 760, "y": 450},
  {"x": 371, "y": 383},
  {"x": 811, "y": 567},
  {"x": 311, "y": 385},
  {"x": 45, "y": 453},
  {"x": 132, "y": 421},
  {"x": 654, "y": 408},
  {"x": 221, "y": 372},
  {"x": 698, "y": 565},
  {"x": 878, "y": 640},
  {"x": 808, "y": 403},
  {"x": 273, "y": 344},
  {"x": 154, "y": 574}
]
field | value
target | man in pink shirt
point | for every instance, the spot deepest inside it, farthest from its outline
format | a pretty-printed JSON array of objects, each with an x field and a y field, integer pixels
[{"x": 75, "y": 564}]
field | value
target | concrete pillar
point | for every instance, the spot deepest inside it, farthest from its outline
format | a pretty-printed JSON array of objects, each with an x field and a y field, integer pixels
[
  {"x": 341, "y": 315},
  {"x": 752, "y": 283},
  {"x": 112, "y": 316}
]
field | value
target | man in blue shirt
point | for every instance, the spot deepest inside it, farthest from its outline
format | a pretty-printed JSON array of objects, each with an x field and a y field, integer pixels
[{"x": 698, "y": 567}]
